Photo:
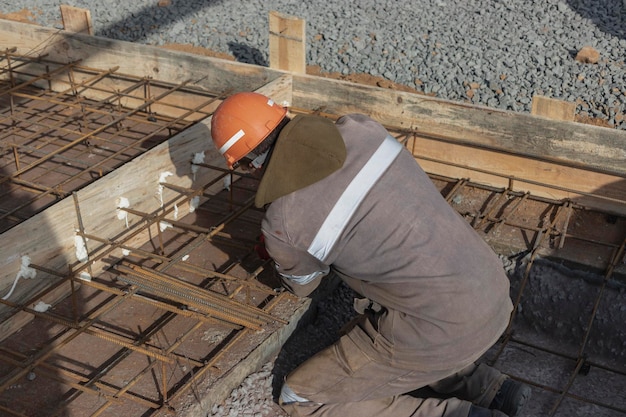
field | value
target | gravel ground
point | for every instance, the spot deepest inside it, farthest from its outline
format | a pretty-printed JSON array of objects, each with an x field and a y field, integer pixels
[{"x": 495, "y": 53}]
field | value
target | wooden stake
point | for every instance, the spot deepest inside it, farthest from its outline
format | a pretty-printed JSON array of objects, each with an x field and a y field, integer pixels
[
  {"x": 76, "y": 19},
  {"x": 553, "y": 109},
  {"x": 287, "y": 43}
]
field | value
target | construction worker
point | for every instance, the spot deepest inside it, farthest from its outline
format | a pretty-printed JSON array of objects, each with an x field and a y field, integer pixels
[{"x": 347, "y": 198}]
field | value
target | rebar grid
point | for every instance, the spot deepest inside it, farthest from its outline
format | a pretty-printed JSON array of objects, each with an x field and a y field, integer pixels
[
  {"x": 549, "y": 232},
  {"x": 54, "y": 142},
  {"x": 182, "y": 302}
]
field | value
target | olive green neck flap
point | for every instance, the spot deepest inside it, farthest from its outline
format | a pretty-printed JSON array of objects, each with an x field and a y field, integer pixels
[{"x": 308, "y": 149}]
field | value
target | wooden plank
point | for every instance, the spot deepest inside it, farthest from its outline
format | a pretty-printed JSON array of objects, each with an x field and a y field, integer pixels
[
  {"x": 76, "y": 19},
  {"x": 287, "y": 42},
  {"x": 567, "y": 143},
  {"x": 210, "y": 74},
  {"x": 458, "y": 161},
  {"x": 552, "y": 108}
]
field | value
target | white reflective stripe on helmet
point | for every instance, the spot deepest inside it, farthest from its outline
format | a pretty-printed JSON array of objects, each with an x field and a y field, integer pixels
[
  {"x": 353, "y": 195},
  {"x": 305, "y": 279},
  {"x": 230, "y": 142}
]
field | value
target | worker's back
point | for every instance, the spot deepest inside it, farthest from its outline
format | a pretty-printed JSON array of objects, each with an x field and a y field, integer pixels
[{"x": 403, "y": 247}]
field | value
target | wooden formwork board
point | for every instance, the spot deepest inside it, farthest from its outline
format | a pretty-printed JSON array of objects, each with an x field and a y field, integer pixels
[
  {"x": 553, "y": 109},
  {"x": 519, "y": 173},
  {"x": 109, "y": 84},
  {"x": 589, "y": 147},
  {"x": 76, "y": 19},
  {"x": 287, "y": 43},
  {"x": 212, "y": 74},
  {"x": 565, "y": 156}
]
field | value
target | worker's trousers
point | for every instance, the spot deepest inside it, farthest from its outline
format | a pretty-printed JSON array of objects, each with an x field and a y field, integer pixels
[{"x": 344, "y": 380}]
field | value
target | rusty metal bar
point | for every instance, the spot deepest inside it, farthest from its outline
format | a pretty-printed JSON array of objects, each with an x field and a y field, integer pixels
[
  {"x": 66, "y": 336},
  {"x": 169, "y": 289},
  {"x": 98, "y": 130},
  {"x": 48, "y": 156},
  {"x": 458, "y": 185},
  {"x": 486, "y": 215},
  {"x": 617, "y": 256},
  {"x": 38, "y": 78}
]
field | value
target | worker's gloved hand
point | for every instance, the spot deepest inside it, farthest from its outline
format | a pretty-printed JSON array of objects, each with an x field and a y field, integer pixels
[{"x": 260, "y": 248}]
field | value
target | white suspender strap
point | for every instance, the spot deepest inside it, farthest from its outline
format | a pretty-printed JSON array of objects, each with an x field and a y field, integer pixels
[{"x": 353, "y": 195}]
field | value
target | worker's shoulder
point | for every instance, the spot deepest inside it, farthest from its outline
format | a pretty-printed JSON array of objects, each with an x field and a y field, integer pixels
[
  {"x": 360, "y": 124},
  {"x": 355, "y": 118}
]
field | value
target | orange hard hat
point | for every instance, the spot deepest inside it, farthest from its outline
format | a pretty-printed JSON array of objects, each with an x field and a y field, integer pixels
[{"x": 241, "y": 122}]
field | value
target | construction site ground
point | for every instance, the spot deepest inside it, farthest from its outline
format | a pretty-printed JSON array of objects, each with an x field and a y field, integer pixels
[{"x": 171, "y": 323}]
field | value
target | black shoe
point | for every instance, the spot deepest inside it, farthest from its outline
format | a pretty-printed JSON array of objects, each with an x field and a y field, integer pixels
[
  {"x": 511, "y": 397},
  {"x": 476, "y": 411}
]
